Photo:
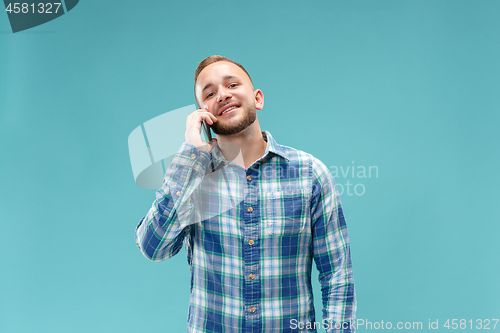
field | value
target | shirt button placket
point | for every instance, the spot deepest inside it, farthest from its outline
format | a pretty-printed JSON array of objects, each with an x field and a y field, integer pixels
[{"x": 252, "y": 253}]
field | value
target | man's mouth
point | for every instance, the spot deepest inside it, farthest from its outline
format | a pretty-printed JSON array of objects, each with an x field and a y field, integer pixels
[{"x": 228, "y": 108}]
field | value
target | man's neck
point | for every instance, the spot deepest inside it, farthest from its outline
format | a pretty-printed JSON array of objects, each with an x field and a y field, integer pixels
[{"x": 245, "y": 147}]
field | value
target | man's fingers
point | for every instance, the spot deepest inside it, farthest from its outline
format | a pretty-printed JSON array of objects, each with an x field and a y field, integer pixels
[
  {"x": 208, "y": 117},
  {"x": 205, "y": 111},
  {"x": 197, "y": 117},
  {"x": 193, "y": 128}
]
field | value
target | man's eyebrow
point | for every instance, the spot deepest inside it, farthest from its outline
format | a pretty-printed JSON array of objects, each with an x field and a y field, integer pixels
[
  {"x": 225, "y": 78},
  {"x": 229, "y": 77},
  {"x": 208, "y": 85}
]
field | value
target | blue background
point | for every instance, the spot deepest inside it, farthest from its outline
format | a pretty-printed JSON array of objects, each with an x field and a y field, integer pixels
[{"x": 410, "y": 87}]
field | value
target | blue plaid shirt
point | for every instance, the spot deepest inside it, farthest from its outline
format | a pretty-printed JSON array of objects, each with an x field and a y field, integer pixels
[{"x": 251, "y": 237}]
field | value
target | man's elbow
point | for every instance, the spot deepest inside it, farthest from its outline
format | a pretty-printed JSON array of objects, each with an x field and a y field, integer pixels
[{"x": 154, "y": 252}]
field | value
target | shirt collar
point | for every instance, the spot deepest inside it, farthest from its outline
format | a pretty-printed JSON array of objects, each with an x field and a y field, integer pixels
[{"x": 272, "y": 147}]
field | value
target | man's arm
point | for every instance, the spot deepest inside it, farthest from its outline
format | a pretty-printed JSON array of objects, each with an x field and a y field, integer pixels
[
  {"x": 331, "y": 251},
  {"x": 160, "y": 233}
]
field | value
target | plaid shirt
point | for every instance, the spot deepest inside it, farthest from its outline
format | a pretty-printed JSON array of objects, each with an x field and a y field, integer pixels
[{"x": 251, "y": 236}]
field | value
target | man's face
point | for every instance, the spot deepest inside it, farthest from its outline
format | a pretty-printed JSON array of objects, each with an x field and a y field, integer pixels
[{"x": 228, "y": 93}]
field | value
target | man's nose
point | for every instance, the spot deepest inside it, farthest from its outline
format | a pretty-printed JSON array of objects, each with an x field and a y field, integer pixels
[{"x": 223, "y": 95}]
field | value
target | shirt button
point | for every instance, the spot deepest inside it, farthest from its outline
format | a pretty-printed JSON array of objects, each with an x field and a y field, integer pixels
[
  {"x": 178, "y": 193},
  {"x": 252, "y": 276},
  {"x": 252, "y": 309},
  {"x": 249, "y": 178},
  {"x": 250, "y": 209},
  {"x": 193, "y": 156},
  {"x": 250, "y": 242},
  {"x": 226, "y": 164}
]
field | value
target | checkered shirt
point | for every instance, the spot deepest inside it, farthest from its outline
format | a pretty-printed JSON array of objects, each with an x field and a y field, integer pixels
[{"x": 251, "y": 237}]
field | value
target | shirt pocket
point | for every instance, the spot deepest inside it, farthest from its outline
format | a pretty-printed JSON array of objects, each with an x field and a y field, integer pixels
[{"x": 284, "y": 212}]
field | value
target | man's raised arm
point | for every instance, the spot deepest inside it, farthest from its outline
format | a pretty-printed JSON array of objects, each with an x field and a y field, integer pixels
[{"x": 160, "y": 233}]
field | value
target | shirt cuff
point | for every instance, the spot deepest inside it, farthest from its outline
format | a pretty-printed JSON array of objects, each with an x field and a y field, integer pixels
[{"x": 189, "y": 155}]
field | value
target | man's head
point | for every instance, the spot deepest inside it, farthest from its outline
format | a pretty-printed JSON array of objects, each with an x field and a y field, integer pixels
[{"x": 225, "y": 89}]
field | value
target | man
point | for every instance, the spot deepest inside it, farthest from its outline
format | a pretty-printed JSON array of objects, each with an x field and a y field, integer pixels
[{"x": 253, "y": 215}]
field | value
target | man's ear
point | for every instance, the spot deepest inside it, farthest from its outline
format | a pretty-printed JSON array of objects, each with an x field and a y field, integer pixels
[{"x": 259, "y": 99}]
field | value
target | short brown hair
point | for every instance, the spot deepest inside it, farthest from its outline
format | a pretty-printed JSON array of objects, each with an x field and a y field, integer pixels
[{"x": 215, "y": 58}]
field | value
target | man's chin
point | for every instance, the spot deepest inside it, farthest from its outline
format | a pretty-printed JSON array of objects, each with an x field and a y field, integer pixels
[{"x": 222, "y": 129}]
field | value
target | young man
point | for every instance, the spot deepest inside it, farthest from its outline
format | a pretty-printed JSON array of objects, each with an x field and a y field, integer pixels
[{"x": 253, "y": 215}]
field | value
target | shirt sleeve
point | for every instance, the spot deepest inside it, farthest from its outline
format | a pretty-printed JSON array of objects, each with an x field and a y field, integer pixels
[
  {"x": 331, "y": 252},
  {"x": 160, "y": 233}
]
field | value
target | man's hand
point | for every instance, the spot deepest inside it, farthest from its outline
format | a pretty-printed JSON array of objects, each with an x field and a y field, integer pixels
[{"x": 193, "y": 128}]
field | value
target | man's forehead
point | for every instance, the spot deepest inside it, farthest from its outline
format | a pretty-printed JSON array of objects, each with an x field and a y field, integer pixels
[{"x": 220, "y": 70}]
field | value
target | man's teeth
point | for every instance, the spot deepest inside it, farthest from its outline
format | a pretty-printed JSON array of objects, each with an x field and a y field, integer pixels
[{"x": 229, "y": 109}]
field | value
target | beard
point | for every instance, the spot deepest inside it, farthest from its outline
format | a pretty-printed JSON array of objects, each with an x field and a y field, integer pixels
[{"x": 247, "y": 120}]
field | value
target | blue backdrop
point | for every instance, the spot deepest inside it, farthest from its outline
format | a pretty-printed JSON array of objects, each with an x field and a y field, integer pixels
[{"x": 405, "y": 89}]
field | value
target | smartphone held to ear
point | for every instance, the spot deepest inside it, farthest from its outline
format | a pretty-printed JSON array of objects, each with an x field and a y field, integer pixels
[{"x": 206, "y": 129}]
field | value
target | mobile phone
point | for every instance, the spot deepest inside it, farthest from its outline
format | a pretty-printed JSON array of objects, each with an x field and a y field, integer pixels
[{"x": 206, "y": 129}]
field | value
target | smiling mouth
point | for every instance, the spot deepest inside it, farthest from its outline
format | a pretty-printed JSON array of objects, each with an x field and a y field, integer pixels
[{"x": 229, "y": 110}]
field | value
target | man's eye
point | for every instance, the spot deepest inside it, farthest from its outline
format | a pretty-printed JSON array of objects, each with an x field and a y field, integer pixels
[
  {"x": 233, "y": 85},
  {"x": 209, "y": 95}
]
